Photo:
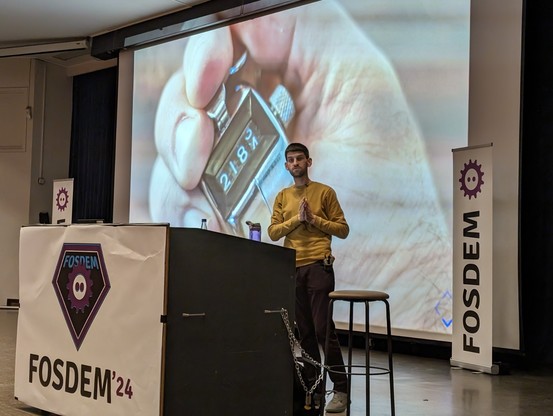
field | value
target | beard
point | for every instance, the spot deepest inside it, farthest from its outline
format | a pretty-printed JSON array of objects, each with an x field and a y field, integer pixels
[{"x": 298, "y": 172}]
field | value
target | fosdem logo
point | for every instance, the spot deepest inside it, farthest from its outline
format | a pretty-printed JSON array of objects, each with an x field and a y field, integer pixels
[
  {"x": 471, "y": 179},
  {"x": 81, "y": 284}
]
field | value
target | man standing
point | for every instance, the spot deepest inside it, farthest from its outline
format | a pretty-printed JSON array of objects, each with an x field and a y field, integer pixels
[{"x": 307, "y": 214}]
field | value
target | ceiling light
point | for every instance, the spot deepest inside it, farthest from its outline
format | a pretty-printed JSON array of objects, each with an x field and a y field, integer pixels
[{"x": 43, "y": 48}]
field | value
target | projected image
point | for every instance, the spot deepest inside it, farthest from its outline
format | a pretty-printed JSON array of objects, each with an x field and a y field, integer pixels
[{"x": 377, "y": 92}]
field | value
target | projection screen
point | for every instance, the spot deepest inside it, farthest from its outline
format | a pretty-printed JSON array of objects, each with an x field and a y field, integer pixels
[{"x": 377, "y": 90}]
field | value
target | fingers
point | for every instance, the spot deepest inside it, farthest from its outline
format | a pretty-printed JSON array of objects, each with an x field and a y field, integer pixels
[
  {"x": 304, "y": 212},
  {"x": 166, "y": 198},
  {"x": 207, "y": 59},
  {"x": 183, "y": 134},
  {"x": 307, "y": 213},
  {"x": 268, "y": 39},
  {"x": 169, "y": 203}
]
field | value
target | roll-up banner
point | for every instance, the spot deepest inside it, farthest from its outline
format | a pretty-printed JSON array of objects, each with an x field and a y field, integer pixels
[
  {"x": 472, "y": 339},
  {"x": 89, "y": 334}
]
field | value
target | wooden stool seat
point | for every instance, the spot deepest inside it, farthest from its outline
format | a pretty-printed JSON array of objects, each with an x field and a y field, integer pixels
[{"x": 358, "y": 295}]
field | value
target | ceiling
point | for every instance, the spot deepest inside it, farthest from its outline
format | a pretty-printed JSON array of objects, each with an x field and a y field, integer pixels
[
  {"x": 24, "y": 23},
  {"x": 85, "y": 35}
]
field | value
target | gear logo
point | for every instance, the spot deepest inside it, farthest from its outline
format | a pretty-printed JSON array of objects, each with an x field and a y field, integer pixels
[
  {"x": 62, "y": 199},
  {"x": 79, "y": 288},
  {"x": 81, "y": 284},
  {"x": 471, "y": 179}
]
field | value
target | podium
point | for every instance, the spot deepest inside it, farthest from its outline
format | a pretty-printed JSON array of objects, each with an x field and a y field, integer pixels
[
  {"x": 152, "y": 320},
  {"x": 227, "y": 351}
]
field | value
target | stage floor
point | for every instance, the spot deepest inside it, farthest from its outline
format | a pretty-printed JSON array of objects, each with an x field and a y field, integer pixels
[{"x": 423, "y": 386}]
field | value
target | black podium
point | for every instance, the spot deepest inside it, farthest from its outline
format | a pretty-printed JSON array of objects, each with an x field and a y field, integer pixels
[{"x": 227, "y": 350}]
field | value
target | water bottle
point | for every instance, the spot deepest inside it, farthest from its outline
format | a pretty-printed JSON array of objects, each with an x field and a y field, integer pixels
[
  {"x": 204, "y": 224},
  {"x": 255, "y": 230}
]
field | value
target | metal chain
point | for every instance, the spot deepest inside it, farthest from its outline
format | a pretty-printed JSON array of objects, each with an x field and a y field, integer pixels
[{"x": 295, "y": 343}]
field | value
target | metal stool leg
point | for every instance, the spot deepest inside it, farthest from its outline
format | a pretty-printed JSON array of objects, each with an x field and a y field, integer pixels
[
  {"x": 325, "y": 367},
  {"x": 350, "y": 353},
  {"x": 367, "y": 361},
  {"x": 390, "y": 361}
]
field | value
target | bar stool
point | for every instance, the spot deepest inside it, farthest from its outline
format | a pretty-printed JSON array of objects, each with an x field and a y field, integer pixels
[{"x": 365, "y": 296}]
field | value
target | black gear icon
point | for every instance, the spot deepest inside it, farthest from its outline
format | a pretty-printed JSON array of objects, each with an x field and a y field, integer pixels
[{"x": 471, "y": 179}]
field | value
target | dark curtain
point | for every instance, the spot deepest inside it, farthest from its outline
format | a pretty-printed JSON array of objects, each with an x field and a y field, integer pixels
[
  {"x": 93, "y": 144},
  {"x": 536, "y": 183}
]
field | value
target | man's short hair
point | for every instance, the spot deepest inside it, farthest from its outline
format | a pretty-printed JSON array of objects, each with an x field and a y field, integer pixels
[{"x": 296, "y": 147}]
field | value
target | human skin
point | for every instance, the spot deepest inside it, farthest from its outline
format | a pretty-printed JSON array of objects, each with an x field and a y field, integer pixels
[{"x": 352, "y": 115}]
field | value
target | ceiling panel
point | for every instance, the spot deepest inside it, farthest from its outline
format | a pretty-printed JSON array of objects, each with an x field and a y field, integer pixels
[{"x": 32, "y": 21}]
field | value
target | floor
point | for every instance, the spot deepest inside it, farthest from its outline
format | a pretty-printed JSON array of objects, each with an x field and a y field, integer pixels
[{"x": 423, "y": 386}]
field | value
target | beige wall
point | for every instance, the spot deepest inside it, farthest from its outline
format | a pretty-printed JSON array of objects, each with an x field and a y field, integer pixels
[
  {"x": 15, "y": 163},
  {"x": 35, "y": 127},
  {"x": 494, "y": 117},
  {"x": 51, "y": 139}
]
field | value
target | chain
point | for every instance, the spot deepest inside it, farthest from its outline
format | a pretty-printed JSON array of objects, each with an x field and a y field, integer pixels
[{"x": 295, "y": 343}]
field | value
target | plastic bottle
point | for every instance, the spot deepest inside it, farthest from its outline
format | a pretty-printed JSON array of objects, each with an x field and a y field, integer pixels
[
  {"x": 204, "y": 224},
  {"x": 255, "y": 230}
]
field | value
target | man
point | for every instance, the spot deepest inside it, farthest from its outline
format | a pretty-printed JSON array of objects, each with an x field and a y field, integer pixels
[{"x": 307, "y": 214}]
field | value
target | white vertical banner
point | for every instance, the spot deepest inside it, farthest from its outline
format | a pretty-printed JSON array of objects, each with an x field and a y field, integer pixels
[
  {"x": 62, "y": 201},
  {"x": 472, "y": 339}
]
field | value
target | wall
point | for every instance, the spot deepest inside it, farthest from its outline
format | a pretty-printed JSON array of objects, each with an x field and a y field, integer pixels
[
  {"x": 51, "y": 139},
  {"x": 15, "y": 162},
  {"x": 34, "y": 143},
  {"x": 494, "y": 116}
]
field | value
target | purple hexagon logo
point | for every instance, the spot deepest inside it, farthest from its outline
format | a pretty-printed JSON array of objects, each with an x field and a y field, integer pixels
[{"x": 81, "y": 284}]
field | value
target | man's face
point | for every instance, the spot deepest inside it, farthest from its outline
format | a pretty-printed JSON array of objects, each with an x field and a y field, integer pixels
[{"x": 297, "y": 164}]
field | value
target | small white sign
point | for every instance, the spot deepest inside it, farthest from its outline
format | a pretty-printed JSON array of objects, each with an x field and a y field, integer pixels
[{"x": 62, "y": 201}]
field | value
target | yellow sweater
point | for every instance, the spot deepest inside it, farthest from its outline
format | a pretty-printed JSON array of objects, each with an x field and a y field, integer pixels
[{"x": 311, "y": 241}]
